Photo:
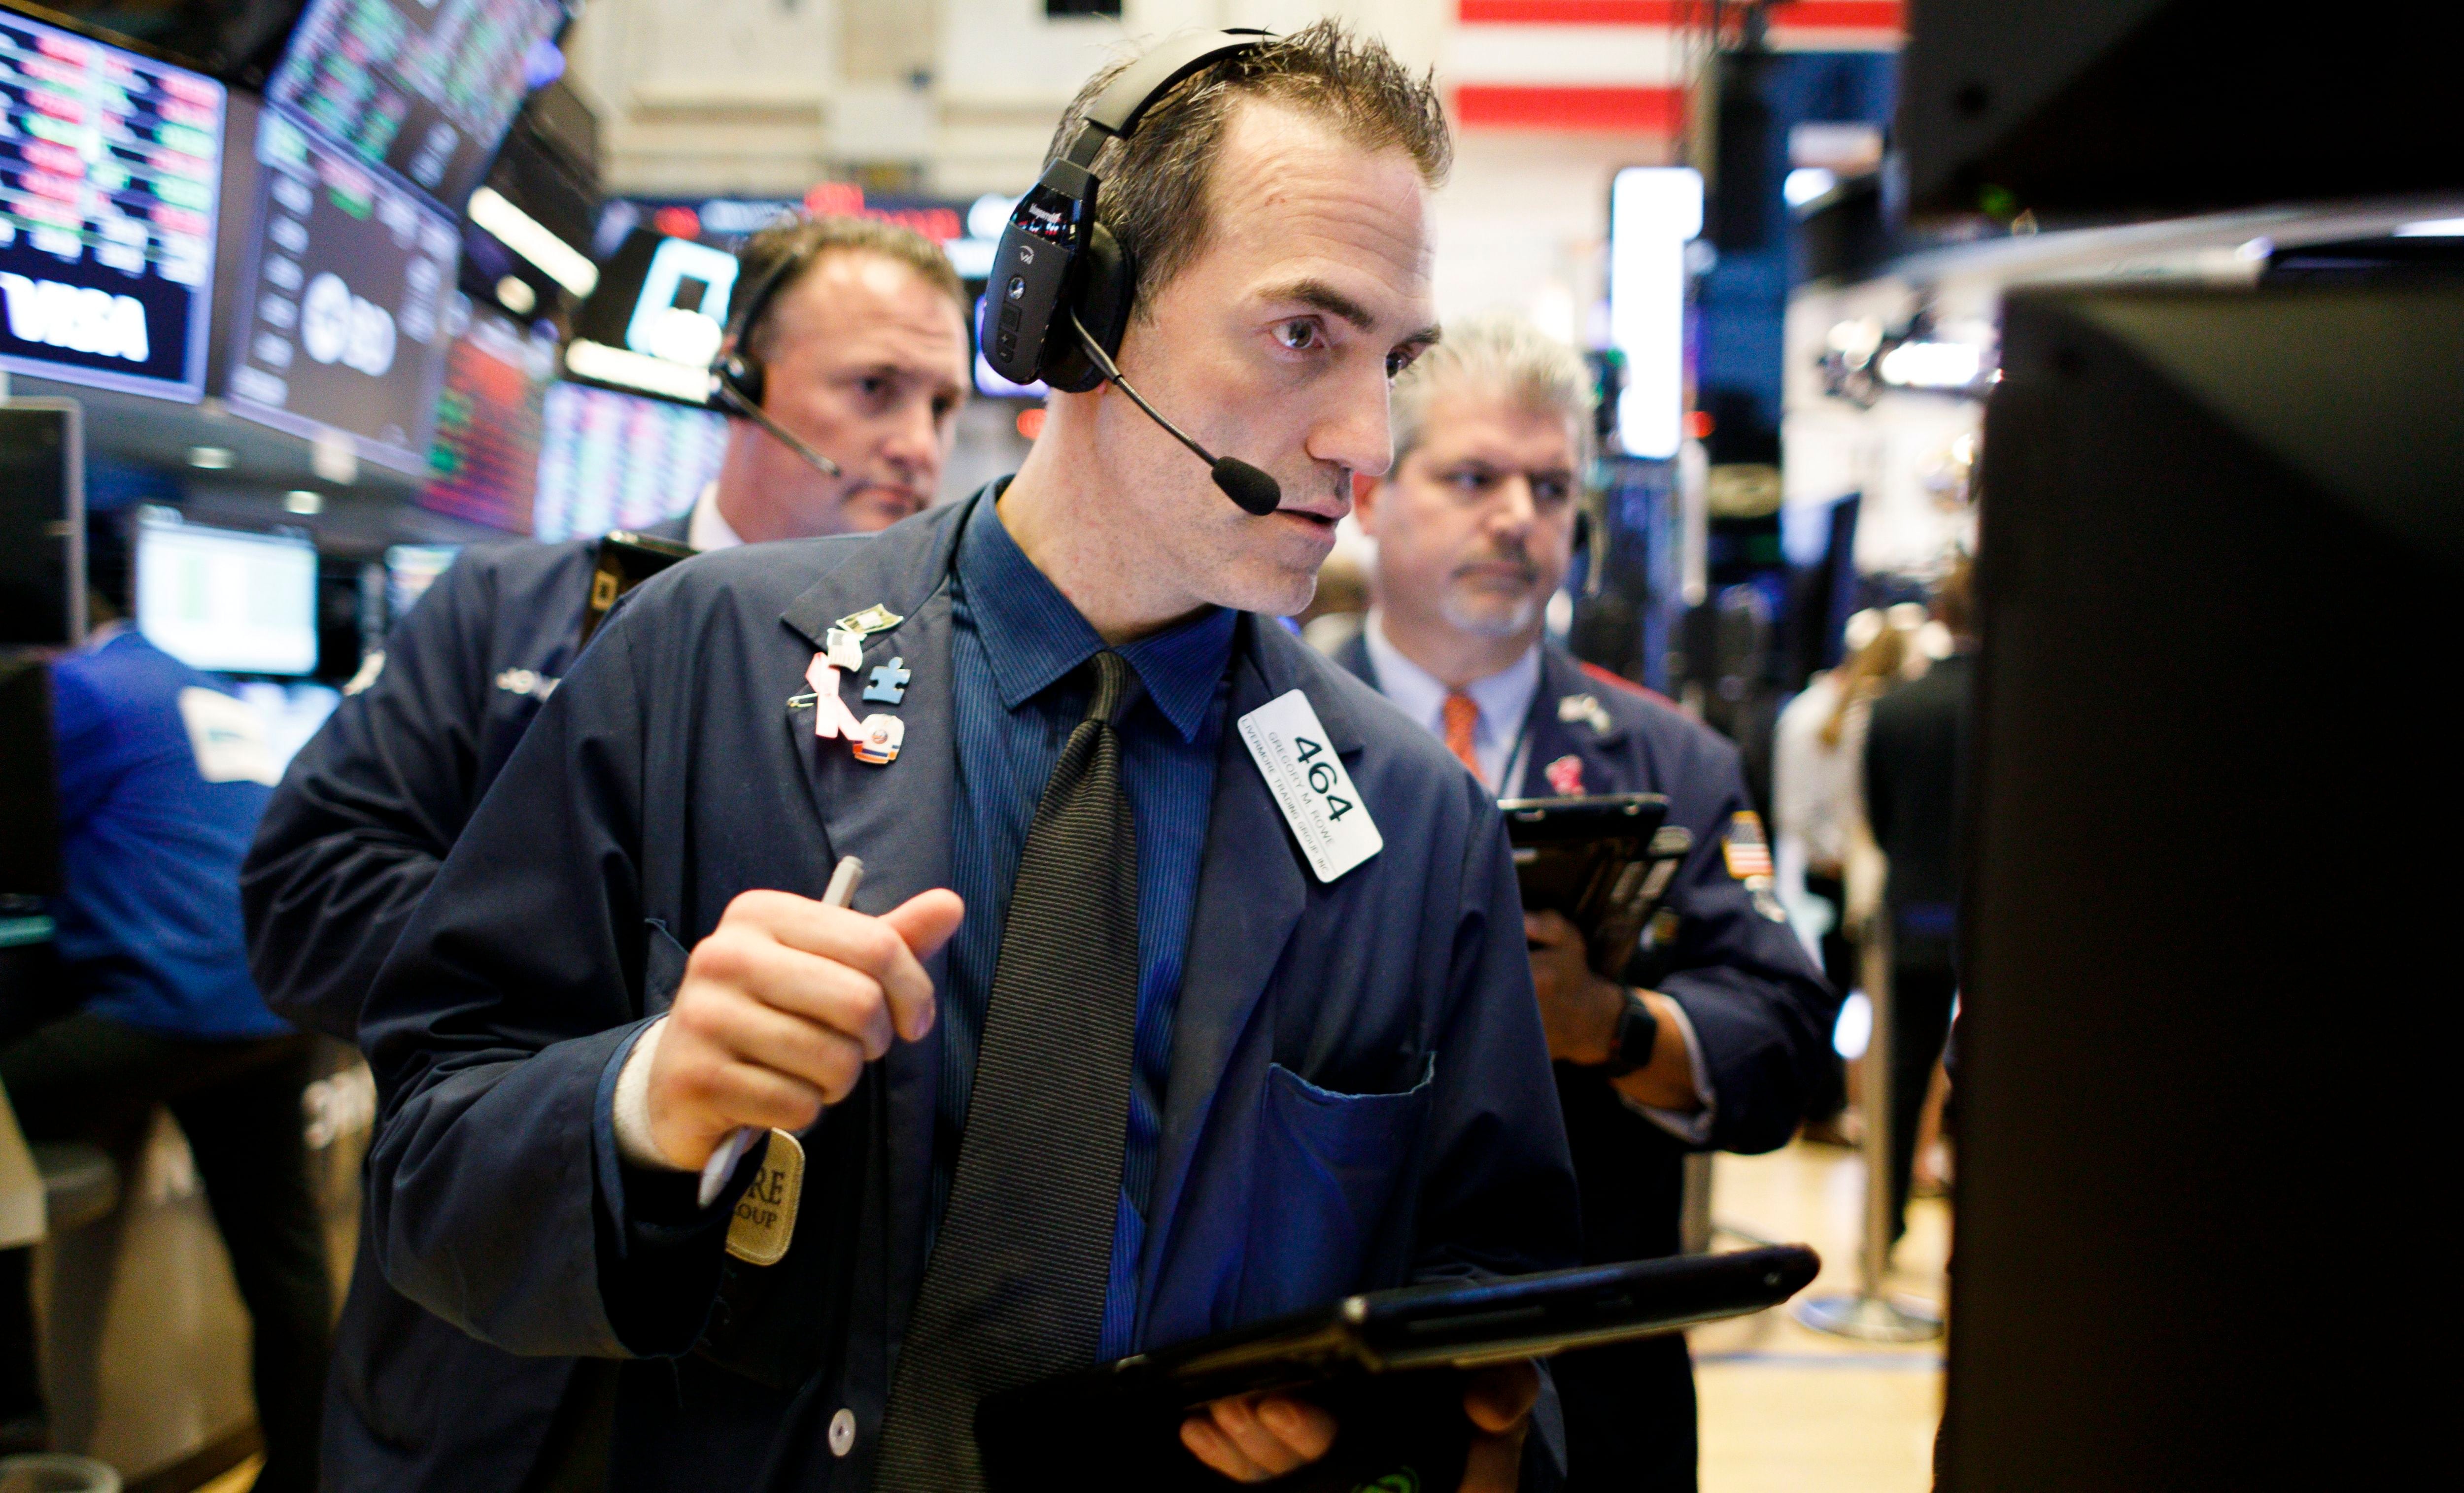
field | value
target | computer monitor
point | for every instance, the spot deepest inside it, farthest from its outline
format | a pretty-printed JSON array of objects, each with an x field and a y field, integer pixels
[
  {"x": 2205, "y": 1051},
  {"x": 227, "y": 601},
  {"x": 422, "y": 89},
  {"x": 2087, "y": 110},
  {"x": 484, "y": 465},
  {"x": 236, "y": 42},
  {"x": 620, "y": 461},
  {"x": 42, "y": 524},
  {"x": 656, "y": 317},
  {"x": 110, "y": 165},
  {"x": 30, "y": 788},
  {"x": 343, "y": 319}
]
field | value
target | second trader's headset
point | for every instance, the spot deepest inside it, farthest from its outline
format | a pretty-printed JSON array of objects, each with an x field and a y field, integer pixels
[
  {"x": 1062, "y": 286},
  {"x": 738, "y": 377}
]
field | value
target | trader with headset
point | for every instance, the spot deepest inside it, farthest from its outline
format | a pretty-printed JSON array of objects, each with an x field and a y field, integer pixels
[
  {"x": 852, "y": 340},
  {"x": 1133, "y": 1031}
]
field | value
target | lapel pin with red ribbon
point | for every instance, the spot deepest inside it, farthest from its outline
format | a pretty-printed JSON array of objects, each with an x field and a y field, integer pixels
[{"x": 875, "y": 739}]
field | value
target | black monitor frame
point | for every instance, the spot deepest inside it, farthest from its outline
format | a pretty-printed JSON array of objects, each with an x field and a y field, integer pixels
[
  {"x": 60, "y": 532},
  {"x": 2204, "y": 1054}
]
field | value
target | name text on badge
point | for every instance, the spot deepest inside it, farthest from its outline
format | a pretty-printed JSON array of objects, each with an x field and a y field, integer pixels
[{"x": 1309, "y": 785}]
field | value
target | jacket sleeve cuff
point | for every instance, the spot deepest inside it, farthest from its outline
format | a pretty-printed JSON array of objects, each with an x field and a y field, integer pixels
[
  {"x": 630, "y": 1111},
  {"x": 1693, "y": 1128},
  {"x": 654, "y": 1205}
]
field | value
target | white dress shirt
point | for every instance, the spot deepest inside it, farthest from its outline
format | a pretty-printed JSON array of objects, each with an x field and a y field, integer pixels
[
  {"x": 708, "y": 529},
  {"x": 1498, "y": 737},
  {"x": 1502, "y": 745}
]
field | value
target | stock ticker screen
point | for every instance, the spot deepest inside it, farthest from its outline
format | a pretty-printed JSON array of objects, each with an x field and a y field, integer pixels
[
  {"x": 342, "y": 314},
  {"x": 110, "y": 164},
  {"x": 620, "y": 461},
  {"x": 423, "y": 88},
  {"x": 484, "y": 464}
]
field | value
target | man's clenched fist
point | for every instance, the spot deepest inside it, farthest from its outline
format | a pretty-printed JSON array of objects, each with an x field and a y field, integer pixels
[{"x": 780, "y": 1008}]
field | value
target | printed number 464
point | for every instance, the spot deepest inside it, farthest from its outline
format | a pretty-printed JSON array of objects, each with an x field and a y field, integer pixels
[{"x": 1322, "y": 776}]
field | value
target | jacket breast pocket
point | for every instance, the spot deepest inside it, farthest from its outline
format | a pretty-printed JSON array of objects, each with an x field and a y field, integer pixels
[{"x": 1329, "y": 1166}]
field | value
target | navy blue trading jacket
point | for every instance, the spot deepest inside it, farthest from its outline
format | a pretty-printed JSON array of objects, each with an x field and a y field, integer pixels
[
  {"x": 347, "y": 848},
  {"x": 1358, "y": 1096}
]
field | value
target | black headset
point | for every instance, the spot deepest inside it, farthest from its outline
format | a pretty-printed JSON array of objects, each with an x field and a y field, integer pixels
[
  {"x": 738, "y": 377},
  {"x": 1062, "y": 287}
]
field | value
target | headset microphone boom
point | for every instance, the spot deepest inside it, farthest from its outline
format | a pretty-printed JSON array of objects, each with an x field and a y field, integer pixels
[
  {"x": 1257, "y": 492},
  {"x": 727, "y": 395}
]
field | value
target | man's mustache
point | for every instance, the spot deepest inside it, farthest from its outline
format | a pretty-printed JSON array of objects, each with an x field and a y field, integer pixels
[{"x": 1510, "y": 554}]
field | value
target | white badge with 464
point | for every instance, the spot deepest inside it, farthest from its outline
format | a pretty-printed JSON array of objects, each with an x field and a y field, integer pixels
[{"x": 1309, "y": 785}]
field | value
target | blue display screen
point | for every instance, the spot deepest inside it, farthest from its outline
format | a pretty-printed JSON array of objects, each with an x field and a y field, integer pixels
[{"x": 110, "y": 167}]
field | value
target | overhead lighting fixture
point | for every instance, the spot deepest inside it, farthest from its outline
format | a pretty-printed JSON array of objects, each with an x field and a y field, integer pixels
[
  {"x": 626, "y": 368},
  {"x": 213, "y": 458},
  {"x": 1806, "y": 183},
  {"x": 1861, "y": 360},
  {"x": 1654, "y": 213},
  {"x": 2432, "y": 228},
  {"x": 303, "y": 501},
  {"x": 1931, "y": 365},
  {"x": 529, "y": 238},
  {"x": 515, "y": 295}
]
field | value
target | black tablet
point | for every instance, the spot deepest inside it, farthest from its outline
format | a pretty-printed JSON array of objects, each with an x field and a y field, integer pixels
[
  {"x": 1604, "y": 862},
  {"x": 1388, "y": 1363}
]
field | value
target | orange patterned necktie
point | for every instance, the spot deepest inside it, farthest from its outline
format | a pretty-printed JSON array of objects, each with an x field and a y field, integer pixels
[{"x": 1461, "y": 715}]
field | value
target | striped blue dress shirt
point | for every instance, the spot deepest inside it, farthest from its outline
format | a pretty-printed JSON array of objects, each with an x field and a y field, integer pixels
[{"x": 1015, "y": 645}]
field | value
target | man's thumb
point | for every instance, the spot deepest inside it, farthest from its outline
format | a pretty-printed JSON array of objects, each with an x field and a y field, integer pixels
[{"x": 927, "y": 919}]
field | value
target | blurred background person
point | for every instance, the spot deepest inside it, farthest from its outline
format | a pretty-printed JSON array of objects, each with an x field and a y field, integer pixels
[
  {"x": 1720, "y": 1029},
  {"x": 863, "y": 352},
  {"x": 1818, "y": 810},
  {"x": 1915, "y": 749},
  {"x": 163, "y": 777}
]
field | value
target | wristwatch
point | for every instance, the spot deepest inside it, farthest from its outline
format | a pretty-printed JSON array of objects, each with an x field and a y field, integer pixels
[{"x": 1636, "y": 1032}]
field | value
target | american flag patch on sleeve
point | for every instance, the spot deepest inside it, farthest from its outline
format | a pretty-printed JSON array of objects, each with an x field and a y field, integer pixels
[{"x": 1744, "y": 847}]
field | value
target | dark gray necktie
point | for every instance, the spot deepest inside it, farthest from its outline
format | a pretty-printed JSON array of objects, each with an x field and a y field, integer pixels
[{"x": 1014, "y": 1288}]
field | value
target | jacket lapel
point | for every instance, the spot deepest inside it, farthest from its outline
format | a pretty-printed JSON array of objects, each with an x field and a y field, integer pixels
[
  {"x": 1251, "y": 891},
  {"x": 873, "y": 811},
  {"x": 895, "y": 816},
  {"x": 1353, "y": 655},
  {"x": 1560, "y": 728}
]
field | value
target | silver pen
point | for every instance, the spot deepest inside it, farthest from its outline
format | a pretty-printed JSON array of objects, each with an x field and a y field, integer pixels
[{"x": 721, "y": 1164}]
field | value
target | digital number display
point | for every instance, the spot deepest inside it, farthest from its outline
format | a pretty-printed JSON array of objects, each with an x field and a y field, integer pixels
[
  {"x": 620, "y": 461},
  {"x": 484, "y": 465},
  {"x": 425, "y": 90},
  {"x": 110, "y": 164},
  {"x": 342, "y": 320}
]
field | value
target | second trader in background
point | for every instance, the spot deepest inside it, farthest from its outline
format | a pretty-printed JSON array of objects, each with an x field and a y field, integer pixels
[
  {"x": 864, "y": 351},
  {"x": 1724, "y": 1032}
]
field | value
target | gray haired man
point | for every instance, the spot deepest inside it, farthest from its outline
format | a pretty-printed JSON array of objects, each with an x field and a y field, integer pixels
[{"x": 1719, "y": 1028}]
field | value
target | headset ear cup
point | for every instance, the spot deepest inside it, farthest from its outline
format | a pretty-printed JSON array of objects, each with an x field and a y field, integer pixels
[
  {"x": 1103, "y": 284},
  {"x": 743, "y": 373}
]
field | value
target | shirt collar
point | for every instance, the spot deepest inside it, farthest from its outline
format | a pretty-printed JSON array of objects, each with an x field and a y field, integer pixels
[
  {"x": 1504, "y": 697},
  {"x": 1034, "y": 637},
  {"x": 709, "y": 529}
]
